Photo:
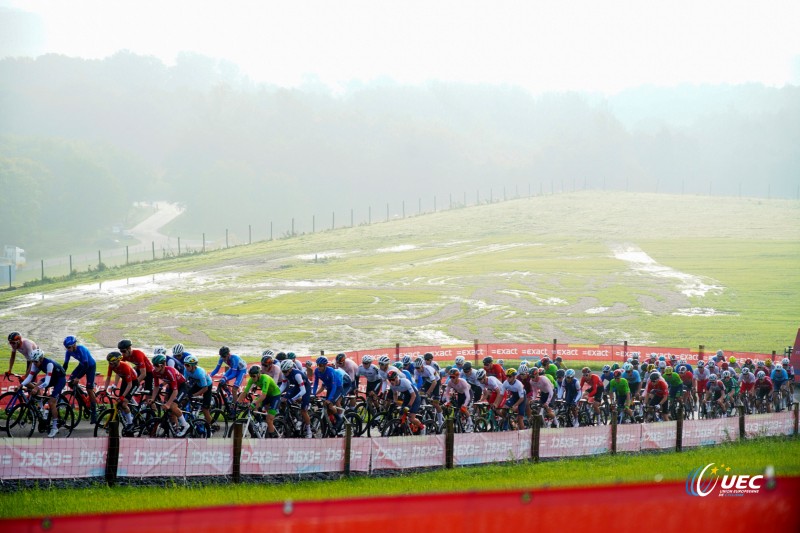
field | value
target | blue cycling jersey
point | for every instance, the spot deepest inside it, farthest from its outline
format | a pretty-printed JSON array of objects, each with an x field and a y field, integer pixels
[
  {"x": 632, "y": 376},
  {"x": 779, "y": 377},
  {"x": 199, "y": 377},
  {"x": 293, "y": 385},
  {"x": 572, "y": 390},
  {"x": 330, "y": 378},
  {"x": 81, "y": 354},
  {"x": 234, "y": 362},
  {"x": 175, "y": 363}
]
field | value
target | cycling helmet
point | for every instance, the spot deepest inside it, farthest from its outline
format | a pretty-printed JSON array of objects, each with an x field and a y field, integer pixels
[
  {"x": 267, "y": 360},
  {"x": 366, "y": 359},
  {"x": 501, "y": 362},
  {"x": 650, "y": 368},
  {"x": 480, "y": 374},
  {"x": 760, "y": 363},
  {"x": 454, "y": 373},
  {"x": 635, "y": 355},
  {"x": 69, "y": 341},
  {"x": 428, "y": 356},
  {"x": 523, "y": 369},
  {"x": 559, "y": 359},
  {"x": 254, "y": 370},
  {"x": 37, "y": 355},
  {"x": 779, "y": 367},
  {"x": 392, "y": 373},
  {"x": 159, "y": 360},
  {"x": 114, "y": 357},
  {"x": 614, "y": 367},
  {"x": 712, "y": 377},
  {"x": 541, "y": 372},
  {"x": 628, "y": 367},
  {"x": 460, "y": 360},
  {"x": 731, "y": 359},
  {"x": 309, "y": 363},
  {"x": 14, "y": 336},
  {"x": 291, "y": 356},
  {"x": 287, "y": 366},
  {"x": 560, "y": 373},
  {"x": 630, "y": 360},
  {"x": 681, "y": 369},
  {"x": 538, "y": 364},
  {"x": 654, "y": 376},
  {"x": 724, "y": 366},
  {"x": 267, "y": 352},
  {"x": 662, "y": 364},
  {"x": 745, "y": 370},
  {"x": 720, "y": 354},
  {"x": 159, "y": 350},
  {"x": 467, "y": 366},
  {"x": 653, "y": 355},
  {"x": 322, "y": 360},
  {"x": 673, "y": 357},
  {"x": 606, "y": 368},
  {"x": 190, "y": 360},
  {"x": 748, "y": 361},
  {"x": 768, "y": 362},
  {"x": 488, "y": 360},
  {"x": 761, "y": 374},
  {"x": 785, "y": 361},
  {"x": 178, "y": 349},
  {"x": 224, "y": 351},
  {"x": 398, "y": 365},
  {"x": 281, "y": 356},
  {"x": 406, "y": 360},
  {"x": 586, "y": 370},
  {"x": 617, "y": 373},
  {"x": 546, "y": 360},
  {"x": 511, "y": 372},
  {"x": 726, "y": 374},
  {"x": 662, "y": 359},
  {"x": 419, "y": 362},
  {"x": 668, "y": 371},
  {"x": 339, "y": 357},
  {"x": 569, "y": 373},
  {"x": 384, "y": 360},
  {"x": 124, "y": 344},
  {"x": 701, "y": 364}
]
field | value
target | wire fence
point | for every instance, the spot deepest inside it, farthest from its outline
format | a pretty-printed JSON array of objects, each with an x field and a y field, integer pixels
[{"x": 123, "y": 460}]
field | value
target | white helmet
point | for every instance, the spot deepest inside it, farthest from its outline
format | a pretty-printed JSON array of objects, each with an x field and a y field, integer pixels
[
  {"x": 366, "y": 359},
  {"x": 37, "y": 355},
  {"x": 779, "y": 367},
  {"x": 384, "y": 360},
  {"x": 159, "y": 350},
  {"x": 178, "y": 349},
  {"x": 287, "y": 365},
  {"x": 480, "y": 374},
  {"x": 460, "y": 360},
  {"x": 785, "y": 361}
]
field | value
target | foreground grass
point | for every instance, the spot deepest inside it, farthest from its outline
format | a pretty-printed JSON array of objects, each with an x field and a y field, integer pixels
[{"x": 745, "y": 458}]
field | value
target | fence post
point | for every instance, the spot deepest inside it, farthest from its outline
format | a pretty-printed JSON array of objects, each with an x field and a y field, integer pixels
[
  {"x": 292, "y": 226},
  {"x": 449, "y": 441},
  {"x": 153, "y": 244},
  {"x": 249, "y": 234},
  {"x": 700, "y": 352},
  {"x": 237, "y": 452},
  {"x": 624, "y": 351},
  {"x": 179, "y": 246},
  {"x": 42, "y": 260},
  {"x": 348, "y": 435},
  {"x": 553, "y": 356},
  {"x": 204, "y": 243},
  {"x": 70, "y": 264},
  {"x": 614, "y": 417},
  {"x": 536, "y": 433},
  {"x": 112, "y": 457},
  {"x": 679, "y": 430},
  {"x": 127, "y": 255},
  {"x": 9, "y": 275},
  {"x": 99, "y": 260},
  {"x": 796, "y": 418},
  {"x": 741, "y": 422},
  {"x": 475, "y": 357},
  {"x": 397, "y": 351}
]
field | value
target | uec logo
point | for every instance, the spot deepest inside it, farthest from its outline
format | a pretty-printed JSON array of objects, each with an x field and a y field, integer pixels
[{"x": 697, "y": 486}]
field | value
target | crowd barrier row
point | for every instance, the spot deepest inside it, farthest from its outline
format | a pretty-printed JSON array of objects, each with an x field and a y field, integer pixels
[{"x": 184, "y": 458}]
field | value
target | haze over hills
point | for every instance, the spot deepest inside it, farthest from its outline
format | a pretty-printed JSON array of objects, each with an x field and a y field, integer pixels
[{"x": 81, "y": 140}]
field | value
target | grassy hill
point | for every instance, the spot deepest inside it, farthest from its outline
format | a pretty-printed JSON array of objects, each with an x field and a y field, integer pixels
[{"x": 584, "y": 267}]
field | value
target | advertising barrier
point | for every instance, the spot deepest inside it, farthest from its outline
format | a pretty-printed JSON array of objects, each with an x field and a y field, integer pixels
[
  {"x": 708, "y": 432},
  {"x": 572, "y": 442},
  {"x": 477, "y": 448},
  {"x": 407, "y": 452},
  {"x": 292, "y": 456},
  {"x": 768, "y": 425},
  {"x": 52, "y": 458},
  {"x": 659, "y": 436}
]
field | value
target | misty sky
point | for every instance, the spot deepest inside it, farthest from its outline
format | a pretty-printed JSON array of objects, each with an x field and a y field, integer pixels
[{"x": 579, "y": 45}]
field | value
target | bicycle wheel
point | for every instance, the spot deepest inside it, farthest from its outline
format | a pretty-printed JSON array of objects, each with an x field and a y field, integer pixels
[
  {"x": 20, "y": 422},
  {"x": 395, "y": 428},
  {"x": 8, "y": 400},
  {"x": 69, "y": 398},
  {"x": 356, "y": 424},
  {"x": 481, "y": 425},
  {"x": 104, "y": 418},
  {"x": 66, "y": 420}
]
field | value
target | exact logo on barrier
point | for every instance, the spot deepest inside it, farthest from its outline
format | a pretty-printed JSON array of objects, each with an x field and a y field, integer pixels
[{"x": 731, "y": 485}]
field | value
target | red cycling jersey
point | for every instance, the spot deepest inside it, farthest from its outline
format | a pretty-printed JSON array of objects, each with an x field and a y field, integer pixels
[
  {"x": 497, "y": 371},
  {"x": 658, "y": 388},
  {"x": 125, "y": 371},
  {"x": 139, "y": 360},
  {"x": 593, "y": 381},
  {"x": 170, "y": 376}
]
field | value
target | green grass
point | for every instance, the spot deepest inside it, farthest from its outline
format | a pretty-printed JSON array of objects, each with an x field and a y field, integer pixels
[{"x": 744, "y": 457}]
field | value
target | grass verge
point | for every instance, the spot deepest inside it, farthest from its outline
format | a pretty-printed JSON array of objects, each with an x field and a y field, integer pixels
[{"x": 749, "y": 457}]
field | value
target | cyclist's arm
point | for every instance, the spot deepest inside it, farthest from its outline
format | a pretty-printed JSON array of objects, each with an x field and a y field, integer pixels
[
  {"x": 302, "y": 388},
  {"x": 216, "y": 368},
  {"x": 11, "y": 361}
]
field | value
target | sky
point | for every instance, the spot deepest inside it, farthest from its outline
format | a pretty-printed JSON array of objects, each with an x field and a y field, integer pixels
[{"x": 588, "y": 45}]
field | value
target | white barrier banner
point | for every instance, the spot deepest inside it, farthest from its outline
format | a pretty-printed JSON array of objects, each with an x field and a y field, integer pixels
[
  {"x": 769, "y": 424},
  {"x": 571, "y": 442},
  {"x": 712, "y": 431},
  {"x": 629, "y": 437},
  {"x": 407, "y": 452},
  {"x": 152, "y": 457},
  {"x": 52, "y": 458},
  {"x": 291, "y": 456},
  {"x": 360, "y": 455},
  {"x": 659, "y": 435},
  {"x": 476, "y": 448},
  {"x": 206, "y": 457}
]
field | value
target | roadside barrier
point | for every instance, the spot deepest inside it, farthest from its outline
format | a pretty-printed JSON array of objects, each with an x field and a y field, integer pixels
[{"x": 45, "y": 459}]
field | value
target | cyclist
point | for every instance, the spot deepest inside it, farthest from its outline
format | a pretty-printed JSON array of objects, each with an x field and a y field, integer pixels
[
  {"x": 403, "y": 389},
  {"x": 549, "y": 367},
  {"x": 490, "y": 388},
  {"x": 142, "y": 365},
  {"x": 372, "y": 373},
  {"x": 295, "y": 387},
  {"x": 685, "y": 373},
  {"x": 459, "y": 364},
  {"x": 431, "y": 382},
  {"x": 594, "y": 389},
  {"x": 291, "y": 356},
  {"x": 572, "y": 394},
  {"x": 747, "y": 381},
  {"x": 347, "y": 386},
  {"x": 269, "y": 398},
  {"x": 544, "y": 387},
  {"x": 514, "y": 393},
  {"x": 332, "y": 381},
  {"x": 269, "y": 367},
  {"x": 656, "y": 392},
  {"x": 493, "y": 369},
  {"x": 790, "y": 372},
  {"x": 429, "y": 361},
  {"x": 179, "y": 352},
  {"x": 701, "y": 376},
  {"x": 237, "y": 368},
  {"x": 780, "y": 383},
  {"x": 350, "y": 368},
  {"x": 406, "y": 374},
  {"x": 23, "y": 346},
  {"x": 54, "y": 377},
  {"x": 384, "y": 365},
  {"x": 469, "y": 375},
  {"x": 715, "y": 391},
  {"x": 463, "y": 395},
  {"x": 676, "y": 388},
  {"x": 127, "y": 374},
  {"x": 731, "y": 385},
  {"x": 199, "y": 385},
  {"x": 763, "y": 389},
  {"x": 559, "y": 363},
  {"x": 172, "y": 361},
  {"x": 734, "y": 364},
  {"x": 406, "y": 365},
  {"x": 86, "y": 367},
  {"x": 633, "y": 378},
  {"x": 177, "y": 391},
  {"x": 606, "y": 375},
  {"x": 620, "y": 390},
  {"x": 309, "y": 370}
]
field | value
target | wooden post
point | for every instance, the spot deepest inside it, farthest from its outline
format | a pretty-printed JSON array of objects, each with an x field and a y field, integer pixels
[
  {"x": 99, "y": 260},
  {"x": 70, "y": 265},
  {"x": 179, "y": 246},
  {"x": 127, "y": 256},
  {"x": 397, "y": 351},
  {"x": 614, "y": 417},
  {"x": 700, "y": 352},
  {"x": 237, "y": 452},
  {"x": 475, "y": 357},
  {"x": 624, "y": 352},
  {"x": 153, "y": 244},
  {"x": 449, "y": 443},
  {"x": 679, "y": 430},
  {"x": 796, "y": 418},
  {"x": 204, "y": 243},
  {"x": 249, "y": 234},
  {"x": 112, "y": 456},
  {"x": 348, "y": 436},
  {"x": 553, "y": 356},
  {"x": 536, "y": 433},
  {"x": 42, "y": 260},
  {"x": 741, "y": 422}
]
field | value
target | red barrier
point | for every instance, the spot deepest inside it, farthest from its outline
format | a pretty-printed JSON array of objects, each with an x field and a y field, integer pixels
[{"x": 546, "y": 509}]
